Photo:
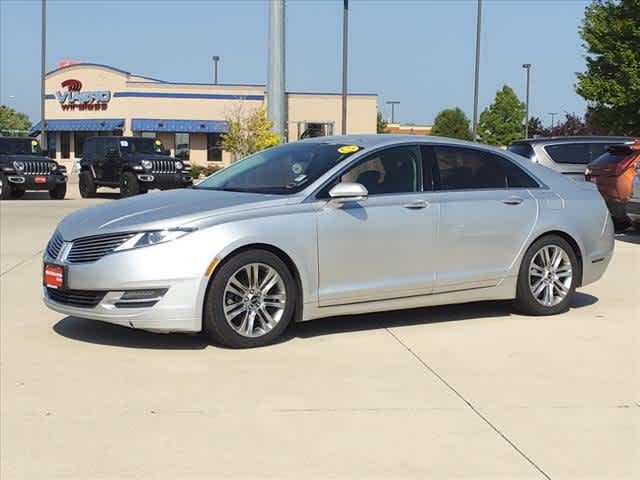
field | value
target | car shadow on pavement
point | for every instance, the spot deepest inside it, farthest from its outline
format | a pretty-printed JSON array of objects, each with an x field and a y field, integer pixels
[
  {"x": 629, "y": 237},
  {"x": 44, "y": 195},
  {"x": 102, "y": 333}
]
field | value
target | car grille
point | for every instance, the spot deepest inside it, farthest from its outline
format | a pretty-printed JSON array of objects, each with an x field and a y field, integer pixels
[
  {"x": 164, "y": 166},
  {"x": 37, "y": 167},
  {"x": 90, "y": 249},
  {"x": 54, "y": 245},
  {"x": 76, "y": 298}
]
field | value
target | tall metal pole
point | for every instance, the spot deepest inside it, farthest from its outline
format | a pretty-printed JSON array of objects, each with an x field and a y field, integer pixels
[
  {"x": 477, "y": 72},
  {"x": 345, "y": 57},
  {"x": 393, "y": 104},
  {"x": 553, "y": 116},
  {"x": 43, "y": 65},
  {"x": 275, "y": 75},
  {"x": 216, "y": 59},
  {"x": 527, "y": 67}
]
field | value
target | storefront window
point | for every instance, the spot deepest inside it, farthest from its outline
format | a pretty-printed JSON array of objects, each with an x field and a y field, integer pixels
[
  {"x": 148, "y": 134},
  {"x": 214, "y": 147},
  {"x": 65, "y": 144},
  {"x": 51, "y": 144},
  {"x": 182, "y": 146}
]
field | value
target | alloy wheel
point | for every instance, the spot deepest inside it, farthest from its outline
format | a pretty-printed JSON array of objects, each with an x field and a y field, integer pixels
[
  {"x": 254, "y": 300},
  {"x": 550, "y": 275}
]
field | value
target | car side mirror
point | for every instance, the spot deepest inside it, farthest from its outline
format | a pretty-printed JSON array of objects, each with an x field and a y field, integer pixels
[{"x": 348, "y": 192}]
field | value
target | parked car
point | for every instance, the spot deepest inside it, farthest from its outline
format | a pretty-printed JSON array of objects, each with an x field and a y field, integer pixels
[
  {"x": 133, "y": 164},
  {"x": 567, "y": 155},
  {"x": 613, "y": 174},
  {"x": 24, "y": 167},
  {"x": 332, "y": 226},
  {"x": 633, "y": 206}
]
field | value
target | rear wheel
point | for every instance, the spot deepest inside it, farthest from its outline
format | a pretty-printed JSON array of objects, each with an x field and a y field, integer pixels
[
  {"x": 129, "y": 185},
  {"x": 547, "y": 277},
  {"x": 250, "y": 301},
  {"x": 86, "y": 185},
  {"x": 58, "y": 192},
  {"x": 5, "y": 187}
]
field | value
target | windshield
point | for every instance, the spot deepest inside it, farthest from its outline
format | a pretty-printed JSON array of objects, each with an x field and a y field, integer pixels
[
  {"x": 19, "y": 146},
  {"x": 281, "y": 170},
  {"x": 140, "y": 145}
]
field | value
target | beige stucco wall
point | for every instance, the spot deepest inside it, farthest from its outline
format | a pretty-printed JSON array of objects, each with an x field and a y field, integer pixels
[{"x": 301, "y": 107}]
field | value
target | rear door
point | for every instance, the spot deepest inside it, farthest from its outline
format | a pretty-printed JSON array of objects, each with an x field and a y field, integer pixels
[{"x": 486, "y": 216}]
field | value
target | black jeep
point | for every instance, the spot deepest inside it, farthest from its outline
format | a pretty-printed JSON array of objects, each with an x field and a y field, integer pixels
[
  {"x": 24, "y": 167},
  {"x": 134, "y": 164}
]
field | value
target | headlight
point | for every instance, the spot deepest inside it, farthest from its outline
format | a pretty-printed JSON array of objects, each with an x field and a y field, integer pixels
[
  {"x": 146, "y": 239},
  {"x": 179, "y": 165},
  {"x": 147, "y": 164},
  {"x": 54, "y": 167},
  {"x": 19, "y": 166}
]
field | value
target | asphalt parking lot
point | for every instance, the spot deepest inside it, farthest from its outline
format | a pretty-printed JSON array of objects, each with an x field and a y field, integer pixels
[{"x": 467, "y": 391}]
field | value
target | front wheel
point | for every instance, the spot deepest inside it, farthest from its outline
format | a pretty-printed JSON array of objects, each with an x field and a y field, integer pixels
[
  {"x": 5, "y": 187},
  {"x": 250, "y": 301},
  {"x": 86, "y": 185},
  {"x": 58, "y": 192},
  {"x": 129, "y": 185},
  {"x": 547, "y": 277}
]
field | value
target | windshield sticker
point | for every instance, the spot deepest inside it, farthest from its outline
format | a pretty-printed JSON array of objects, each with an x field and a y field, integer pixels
[
  {"x": 158, "y": 142},
  {"x": 124, "y": 143},
  {"x": 34, "y": 143},
  {"x": 344, "y": 149}
]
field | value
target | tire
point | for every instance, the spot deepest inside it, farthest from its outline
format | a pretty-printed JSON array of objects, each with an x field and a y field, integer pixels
[
  {"x": 86, "y": 185},
  {"x": 561, "y": 282},
  {"x": 17, "y": 192},
  {"x": 636, "y": 227},
  {"x": 5, "y": 187},
  {"x": 129, "y": 185},
  {"x": 231, "y": 329},
  {"x": 58, "y": 192}
]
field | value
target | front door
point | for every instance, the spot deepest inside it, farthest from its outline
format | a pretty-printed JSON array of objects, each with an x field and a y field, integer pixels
[
  {"x": 112, "y": 160},
  {"x": 382, "y": 247}
]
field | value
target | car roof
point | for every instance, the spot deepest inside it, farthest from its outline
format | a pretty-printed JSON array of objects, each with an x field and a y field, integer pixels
[
  {"x": 384, "y": 139},
  {"x": 582, "y": 138}
]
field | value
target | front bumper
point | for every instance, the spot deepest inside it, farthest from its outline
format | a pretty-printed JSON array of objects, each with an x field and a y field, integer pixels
[
  {"x": 633, "y": 210},
  {"x": 28, "y": 182},
  {"x": 165, "y": 180}
]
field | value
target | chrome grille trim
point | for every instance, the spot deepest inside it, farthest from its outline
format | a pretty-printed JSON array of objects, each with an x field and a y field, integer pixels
[
  {"x": 90, "y": 249},
  {"x": 76, "y": 298},
  {"x": 54, "y": 245},
  {"x": 163, "y": 166},
  {"x": 37, "y": 167}
]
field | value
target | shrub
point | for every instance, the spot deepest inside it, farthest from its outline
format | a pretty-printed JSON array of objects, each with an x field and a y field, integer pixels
[{"x": 199, "y": 170}]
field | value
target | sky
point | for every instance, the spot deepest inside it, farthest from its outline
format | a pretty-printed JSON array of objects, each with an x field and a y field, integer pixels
[{"x": 418, "y": 52}]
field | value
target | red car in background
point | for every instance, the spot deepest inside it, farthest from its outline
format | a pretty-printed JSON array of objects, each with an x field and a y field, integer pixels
[{"x": 613, "y": 174}]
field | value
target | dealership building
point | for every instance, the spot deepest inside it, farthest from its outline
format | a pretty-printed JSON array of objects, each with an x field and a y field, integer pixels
[{"x": 84, "y": 100}]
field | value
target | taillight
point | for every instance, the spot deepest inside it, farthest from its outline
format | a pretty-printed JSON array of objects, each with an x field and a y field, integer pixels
[{"x": 625, "y": 163}]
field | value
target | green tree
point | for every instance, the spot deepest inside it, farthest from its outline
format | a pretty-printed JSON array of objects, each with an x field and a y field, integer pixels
[
  {"x": 12, "y": 120},
  {"x": 248, "y": 133},
  {"x": 611, "y": 84},
  {"x": 502, "y": 122},
  {"x": 452, "y": 123},
  {"x": 381, "y": 124}
]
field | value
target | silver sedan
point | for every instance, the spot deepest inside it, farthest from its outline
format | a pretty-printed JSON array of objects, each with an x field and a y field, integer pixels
[{"x": 332, "y": 226}]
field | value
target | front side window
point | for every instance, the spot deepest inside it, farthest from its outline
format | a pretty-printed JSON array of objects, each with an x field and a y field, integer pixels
[
  {"x": 394, "y": 170},
  {"x": 139, "y": 145},
  {"x": 280, "y": 170},
  {"x": 469, "y": 169},
  {"x": 23, "y": 146}
]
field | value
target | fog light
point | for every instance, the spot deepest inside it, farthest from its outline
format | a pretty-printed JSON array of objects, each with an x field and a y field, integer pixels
[{"x": 143, "y": 294}]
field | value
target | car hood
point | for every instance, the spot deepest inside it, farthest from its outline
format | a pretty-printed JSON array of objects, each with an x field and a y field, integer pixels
[
  {"x": 161, "y": 210},
  {"x": 136, "y": 157},
  {"x": 25, "y": 158}
]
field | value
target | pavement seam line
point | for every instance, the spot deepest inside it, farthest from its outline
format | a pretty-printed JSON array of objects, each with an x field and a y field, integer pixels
[
  {"x": 469, "y": 404},
  {"x": 19, "y": 264}
]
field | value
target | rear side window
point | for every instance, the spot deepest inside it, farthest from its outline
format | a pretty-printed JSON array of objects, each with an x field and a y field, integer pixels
[
  {"x": 469, "y": 169},
  {"x": 576, "y": 153},
  {"x": 522, "y": 149}
]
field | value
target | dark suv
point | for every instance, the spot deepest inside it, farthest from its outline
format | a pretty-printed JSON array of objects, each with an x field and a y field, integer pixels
[
  {"x": 134, "y": 164},
  {"x": 24, "y": 167}
]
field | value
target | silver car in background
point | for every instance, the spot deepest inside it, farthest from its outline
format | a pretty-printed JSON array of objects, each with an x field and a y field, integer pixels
[
  {"x": 567, "y": 155},
  {"x": 331, "y": 226},
  {"x": 633, "y": 205}
]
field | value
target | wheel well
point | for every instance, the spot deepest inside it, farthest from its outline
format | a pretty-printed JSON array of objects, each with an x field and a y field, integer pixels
[
  {"x": 297, "y": 314},
  {"x": 576, "y": 249}
]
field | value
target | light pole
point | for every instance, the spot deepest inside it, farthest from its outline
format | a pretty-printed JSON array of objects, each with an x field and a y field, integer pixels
[
  {"x": 43, "y": 66},
  {"x": 345, "y": 57},
  {"x": 215, "y": 59},
  {"x": 393, "y": 104},
  {"x": 527, "y": 67},
  {"x": 477, "y": 73},
  {"x": 553, "y": 116}
]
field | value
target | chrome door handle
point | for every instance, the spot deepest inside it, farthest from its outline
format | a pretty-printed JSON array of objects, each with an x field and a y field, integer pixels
[
  {"x": 512, "y": 201},
  {"x": 417, "y": 205}
]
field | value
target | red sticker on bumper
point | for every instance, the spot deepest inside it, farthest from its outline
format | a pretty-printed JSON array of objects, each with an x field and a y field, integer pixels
[
  {"x": 53, "y": 276},
  {"x": 40, "y": 179}
]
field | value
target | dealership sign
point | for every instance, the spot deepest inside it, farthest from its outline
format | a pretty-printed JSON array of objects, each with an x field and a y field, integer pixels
[{"x": 74, "y": 98}]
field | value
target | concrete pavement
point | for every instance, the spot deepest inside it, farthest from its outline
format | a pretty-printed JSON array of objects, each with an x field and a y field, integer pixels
[{"x": 467, "y": 391}]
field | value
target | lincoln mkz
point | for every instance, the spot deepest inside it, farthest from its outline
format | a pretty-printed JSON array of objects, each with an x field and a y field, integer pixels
[{"x": 332, "y": 226}]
